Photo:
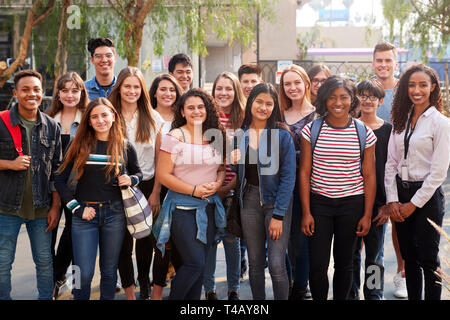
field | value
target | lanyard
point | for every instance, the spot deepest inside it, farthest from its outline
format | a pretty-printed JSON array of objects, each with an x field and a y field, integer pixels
[{"x": 408, "y": 135}]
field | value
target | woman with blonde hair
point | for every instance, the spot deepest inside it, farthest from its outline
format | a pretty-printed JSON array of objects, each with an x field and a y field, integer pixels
[
  {"x": 141, "y": 126},
  {"x": 297, "y": 111}
]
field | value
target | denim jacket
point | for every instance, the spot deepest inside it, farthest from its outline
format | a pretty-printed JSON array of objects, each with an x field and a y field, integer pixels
[
  {"x": 95, "y": 90},
  {"x": 45, "y": 159},
  {"x": 161, "y": 227},
  {"x": 276, "y": 165},
  {"x": 75, "y": 124}
]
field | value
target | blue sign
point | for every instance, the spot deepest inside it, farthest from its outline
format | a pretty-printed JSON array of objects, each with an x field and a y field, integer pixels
[{"x": 334, "y": 15}]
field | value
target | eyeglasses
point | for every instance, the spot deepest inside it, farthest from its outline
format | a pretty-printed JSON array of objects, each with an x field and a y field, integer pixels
[
  {"x": 98, "y": 56},
  {"x": 315, "y": 82},
  {"x": 371, "y": 98}
]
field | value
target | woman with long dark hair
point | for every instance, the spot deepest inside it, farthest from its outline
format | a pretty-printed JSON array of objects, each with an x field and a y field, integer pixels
[
  {"x": 141, "y": 126},
  {"x": 191, "y": 166},
  {"x": 101, "y": 162},
  {"x": 265, "y": 165},
  {"x": 337, "y": 185},
  {"x": 416, "y": 167}
]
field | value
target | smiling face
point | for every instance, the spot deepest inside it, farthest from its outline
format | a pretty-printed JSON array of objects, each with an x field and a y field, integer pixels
[
  {"x": 294, "y": 86},
  {"x": 317, "y": 81},
  {"x": 384, "y": 64},
  {"x": 248, "y": 82},
  {"x": 262, "y": 107},
  {"x": 70, "y": 95},
  {"x": 130, "y": 90},
  {"x": 103, "y": 60},
  {"x": 28, "y": 93},
  {"x": 194, "y": 111},
  {"x": 369, "y": 102},
  {"x": 224, "y": 93},
  {"x": 166, "y": 94},
  {"x": 420, "y": 88},
  {"x": 101, "y": 119},
  {"x": 183, "y": 74},
  {"x": 338, "y": 104}
]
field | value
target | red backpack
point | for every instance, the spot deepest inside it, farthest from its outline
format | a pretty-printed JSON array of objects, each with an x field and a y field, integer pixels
[{"x": 14, "y": 131}]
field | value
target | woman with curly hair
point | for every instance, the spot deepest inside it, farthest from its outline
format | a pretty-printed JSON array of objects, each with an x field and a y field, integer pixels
[
  {"x": 337, "y": 185},
  {"x": 192, "y": 167},
  {"x": 416, "y": 167}
]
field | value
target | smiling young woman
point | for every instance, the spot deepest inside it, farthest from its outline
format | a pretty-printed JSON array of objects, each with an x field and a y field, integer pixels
[
  {"x": 337, "y": 187},
  {"x": 417, "y": 164}
]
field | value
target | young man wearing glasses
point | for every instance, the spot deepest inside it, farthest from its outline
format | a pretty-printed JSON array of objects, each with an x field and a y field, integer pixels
[{"x": 103, "y": 57}]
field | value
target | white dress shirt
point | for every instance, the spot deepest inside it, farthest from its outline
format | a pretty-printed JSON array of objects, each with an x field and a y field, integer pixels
[
  {"x": 145, "y": 151},
  {"x": 427, "y": 160}
]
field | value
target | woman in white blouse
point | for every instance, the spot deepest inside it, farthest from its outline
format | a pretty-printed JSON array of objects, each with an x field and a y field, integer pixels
[
  {"x": 416, "y": 167},
  {"x": 142, "y": 126}
]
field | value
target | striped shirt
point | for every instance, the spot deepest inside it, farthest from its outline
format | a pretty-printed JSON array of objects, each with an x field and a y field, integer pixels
[
  {"x": 224, "y": 119},
  {"x": 336, "y": 160}
]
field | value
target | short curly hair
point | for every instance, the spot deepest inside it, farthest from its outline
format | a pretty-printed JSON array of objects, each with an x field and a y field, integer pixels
[{"x": 327, "y": 89}]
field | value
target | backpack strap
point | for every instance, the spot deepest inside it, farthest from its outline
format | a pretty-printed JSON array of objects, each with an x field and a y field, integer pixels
[
  {"x": 316, "y": 126},
  {"x": 184, "y": 138},
  {"x": 361, "y": 130},
  {"x": 14, "y": 131}
]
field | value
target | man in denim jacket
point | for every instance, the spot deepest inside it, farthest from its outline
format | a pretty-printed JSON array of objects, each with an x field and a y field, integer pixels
[{"x": 26, "y": 188}]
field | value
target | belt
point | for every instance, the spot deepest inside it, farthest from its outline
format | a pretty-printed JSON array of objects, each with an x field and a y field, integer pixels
[{"x": 409, "y": 184}]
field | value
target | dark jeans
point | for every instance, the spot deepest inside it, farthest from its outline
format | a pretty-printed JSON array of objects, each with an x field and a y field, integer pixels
[
  {"x": 64, "y": 253},
  {"x": 419, "y": 244},
  {"x": 336, "y": 218},
  {"x": 187, "y": 284},
  {"x": 298, "y": 244},
  {"x": 104, "y": 232},
  {"x": 373, "y": 265}
]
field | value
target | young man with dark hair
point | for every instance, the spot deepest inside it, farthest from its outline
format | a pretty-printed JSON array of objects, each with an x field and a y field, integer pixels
[
  {"x": 103, "y": 57},
  {"x": 27, "y": 194},
  {"x": 180, "y": 66},
  {"x": 249, "y": 77}
]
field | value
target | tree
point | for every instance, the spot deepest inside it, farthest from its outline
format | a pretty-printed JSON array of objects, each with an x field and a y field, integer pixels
[
  {"x": 230, "y": 20},
  {"x": 431, "y": 26},
  {"x": 396, "y": 11},
  {"x": 35, "y": 14}
]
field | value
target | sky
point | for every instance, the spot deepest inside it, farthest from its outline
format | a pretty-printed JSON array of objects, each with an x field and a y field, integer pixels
[{"x": 361, "y": 12}]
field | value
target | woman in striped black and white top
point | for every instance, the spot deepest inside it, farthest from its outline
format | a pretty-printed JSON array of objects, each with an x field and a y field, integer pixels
[
  {"x": 337, "y": 185},
  {"x": 98, "y": 157}
]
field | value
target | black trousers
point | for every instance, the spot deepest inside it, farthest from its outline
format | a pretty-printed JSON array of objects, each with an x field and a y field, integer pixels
[
  {"x": 63, "y": 256},
  {"x": 336, "y": 218},
  {"x": 144, "y": 253},
  {"x": 419, "y": 243}
]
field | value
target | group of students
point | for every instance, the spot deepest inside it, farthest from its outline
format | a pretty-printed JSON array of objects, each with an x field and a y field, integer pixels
[{"x": 308, "y": 164}]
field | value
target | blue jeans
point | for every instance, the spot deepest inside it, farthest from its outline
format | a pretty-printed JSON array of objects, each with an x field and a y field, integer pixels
[
  {"x": 187, "y": 284},
  {"x": 373, "y": 265},
  {"x": 40, "y": 242},
  {"x": 255, "y": 224},
  {"x": 232, "y": 248},
  {"x": 298, "y": 242},
  {"x": 106, "y": 231}
]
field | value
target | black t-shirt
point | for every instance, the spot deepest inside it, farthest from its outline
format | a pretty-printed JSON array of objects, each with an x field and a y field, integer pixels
[
  {"x": 93, "y": 184},
  {"x": 251, "y": 169},
  {"x": 382, "y": 133}
]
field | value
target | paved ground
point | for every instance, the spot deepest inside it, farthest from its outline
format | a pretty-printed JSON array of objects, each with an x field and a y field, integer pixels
[{"x": 24, "y": 280}]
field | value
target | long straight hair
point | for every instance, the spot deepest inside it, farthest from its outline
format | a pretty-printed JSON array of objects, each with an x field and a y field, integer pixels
[
  {"x": 85, "y": 142},
  {"x": 238, "y": 104},
  {"x": 285, "y": 102},
  {"x": 146, "y": 122},
  {"x": 57, "y": 105}
]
